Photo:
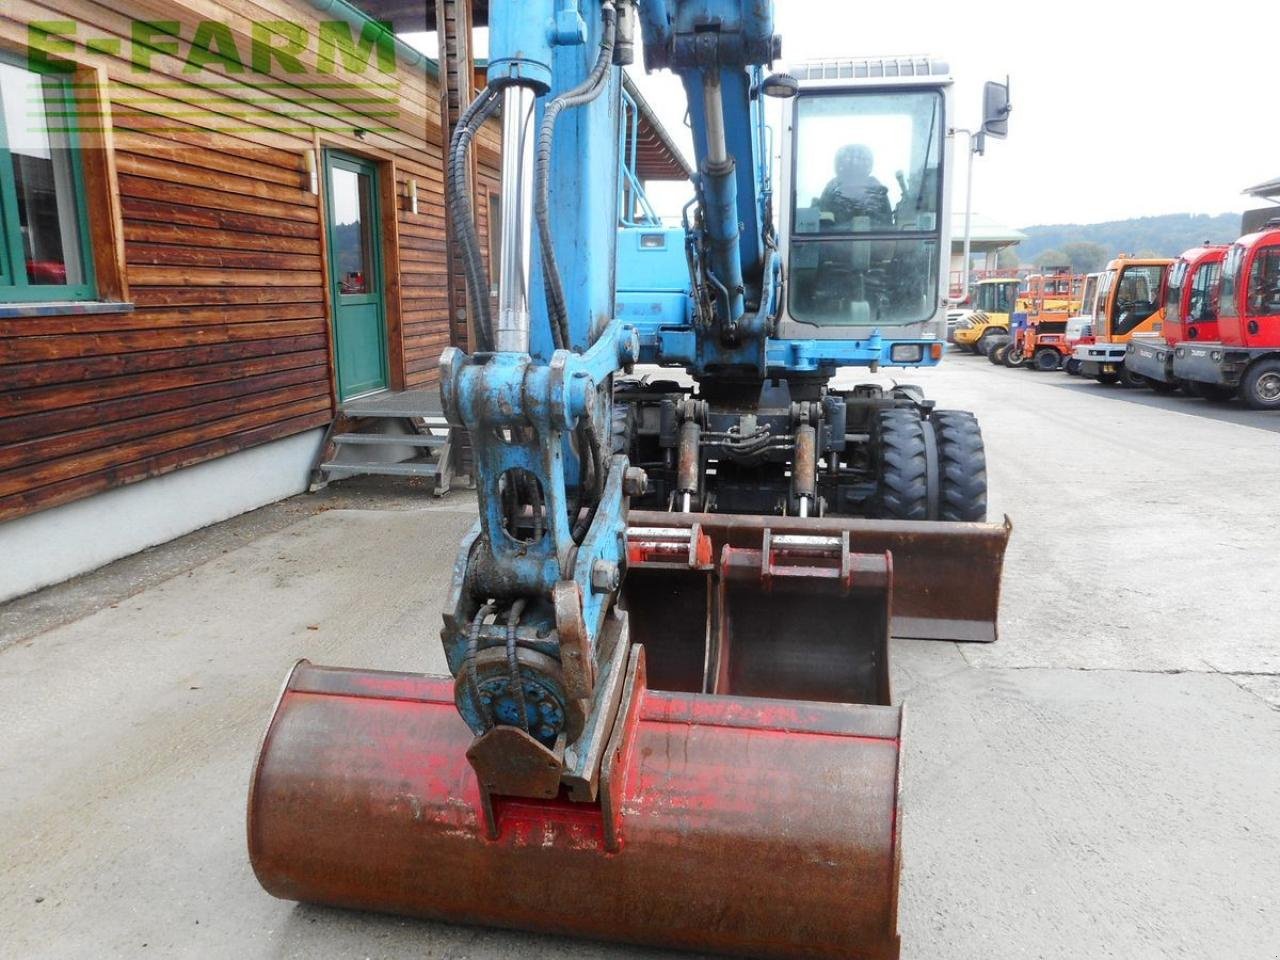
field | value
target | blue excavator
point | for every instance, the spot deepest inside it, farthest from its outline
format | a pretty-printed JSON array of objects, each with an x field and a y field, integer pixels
[{"x": 668, "y": 717}]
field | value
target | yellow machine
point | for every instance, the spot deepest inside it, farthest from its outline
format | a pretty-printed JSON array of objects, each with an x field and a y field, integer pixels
[{"x": 993, "y": 302}]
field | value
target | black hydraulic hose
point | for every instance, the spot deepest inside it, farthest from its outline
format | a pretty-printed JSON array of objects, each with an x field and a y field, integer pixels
[
  {"x": 463, "y": 214},
  {"x": 513, "y": 662},
  {"x": 582, "y": 94},
  {"x": 469, "y": 662}
]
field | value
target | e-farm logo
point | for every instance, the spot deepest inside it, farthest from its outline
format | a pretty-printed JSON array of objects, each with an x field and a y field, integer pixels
[{"x": 337, "y": 76}]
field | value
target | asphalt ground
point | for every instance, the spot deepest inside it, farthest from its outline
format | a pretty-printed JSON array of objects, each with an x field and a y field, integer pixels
[{"x": 1104, "y": 781}]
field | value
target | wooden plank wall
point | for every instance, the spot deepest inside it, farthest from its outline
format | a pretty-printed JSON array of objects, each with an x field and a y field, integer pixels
[{"x": 229, "y": 344}]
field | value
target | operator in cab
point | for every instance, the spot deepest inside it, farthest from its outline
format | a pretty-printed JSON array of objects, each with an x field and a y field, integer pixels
[{"x": 854, "y": 193}]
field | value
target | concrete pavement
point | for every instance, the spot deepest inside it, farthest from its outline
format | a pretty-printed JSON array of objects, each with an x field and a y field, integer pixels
[{"x": 1102, "y": 782}]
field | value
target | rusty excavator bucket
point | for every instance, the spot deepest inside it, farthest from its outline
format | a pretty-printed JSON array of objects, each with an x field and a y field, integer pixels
[{"x": 740, "y": 792}]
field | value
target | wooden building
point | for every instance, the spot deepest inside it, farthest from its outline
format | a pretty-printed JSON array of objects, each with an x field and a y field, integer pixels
[{"x": 220, "y": 222}]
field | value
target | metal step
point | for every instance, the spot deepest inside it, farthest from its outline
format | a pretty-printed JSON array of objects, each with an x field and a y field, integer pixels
[
  {"x": 408, "y": 403},
  {"x": 407, "y": 468},
  {"x": 392, "y": 440}
]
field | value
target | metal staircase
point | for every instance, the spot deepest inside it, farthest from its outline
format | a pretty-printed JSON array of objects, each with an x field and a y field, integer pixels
[{"x": 393, "y": 434}]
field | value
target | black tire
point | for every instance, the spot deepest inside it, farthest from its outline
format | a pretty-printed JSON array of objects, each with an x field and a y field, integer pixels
[
  {"x": 1047, "y": 360},
  {"x": 622, "y": 427},
  {"x": 996, "y": 355},
  {"x": 902, "y": 467},
  {"x": 983, "y": 346},
  {"x": 1072, "y": 366},
  {"x": 1260, "y": 387},
  {"x": 1208, "y": 391},
  {"x": 1110, "y": 379},
  {"x": 1160, "y": 386},
  {"x": 1131, "y": 380},
  {"x": 962, "y": 466},
  {"x": 1013, "y": 356}
]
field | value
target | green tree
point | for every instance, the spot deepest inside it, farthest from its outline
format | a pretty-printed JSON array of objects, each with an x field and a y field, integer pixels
[
  {"x": 1086, "y": 256},
  {"x": 1051, "y": 258}
]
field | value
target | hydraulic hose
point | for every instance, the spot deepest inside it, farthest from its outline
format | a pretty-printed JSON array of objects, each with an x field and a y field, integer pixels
[
  {"x": 584, "y": 93},
  {"x": 462, "y": 213}
]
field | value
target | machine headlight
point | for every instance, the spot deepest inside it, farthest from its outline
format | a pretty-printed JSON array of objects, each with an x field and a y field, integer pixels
[{"x": 906, "y": 353}]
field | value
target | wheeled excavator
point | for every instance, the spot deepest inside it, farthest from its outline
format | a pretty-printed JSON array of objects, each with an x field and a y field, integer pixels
[{"x": 668, "y": 717}]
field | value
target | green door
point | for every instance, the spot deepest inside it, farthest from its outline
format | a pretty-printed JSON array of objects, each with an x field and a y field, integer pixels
[{"x": 355, "y": 270}]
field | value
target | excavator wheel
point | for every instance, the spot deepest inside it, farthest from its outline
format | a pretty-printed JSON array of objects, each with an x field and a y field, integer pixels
[
  {"x": 933, "y": 469},
  {"x": 996, "y": 354},
  {"x": 1014, "y": 357},
  {"x": 622, "y": 429},
  {"x": 962, "y": 466},
  {"x": 1072, "y": 366},
  {"x": 903, "y": 492}
]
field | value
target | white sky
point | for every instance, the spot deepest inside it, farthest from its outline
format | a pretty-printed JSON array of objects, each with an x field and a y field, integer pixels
[{"x": 1121, "y": 109}]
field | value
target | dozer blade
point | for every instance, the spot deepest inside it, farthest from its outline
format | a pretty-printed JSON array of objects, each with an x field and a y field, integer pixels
[
  {"x": 946, "y": 576},
  {"x": 753, "y": 827}
]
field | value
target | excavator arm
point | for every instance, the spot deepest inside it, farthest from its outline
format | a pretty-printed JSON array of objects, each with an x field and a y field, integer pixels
[{"x": 676, "y": 731}]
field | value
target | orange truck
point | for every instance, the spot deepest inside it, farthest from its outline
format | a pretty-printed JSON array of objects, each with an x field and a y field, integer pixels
[{"x": 1130, "y": 302}]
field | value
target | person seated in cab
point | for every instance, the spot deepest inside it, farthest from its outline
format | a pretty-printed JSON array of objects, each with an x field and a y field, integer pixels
[{"x": 854, "y": 193}]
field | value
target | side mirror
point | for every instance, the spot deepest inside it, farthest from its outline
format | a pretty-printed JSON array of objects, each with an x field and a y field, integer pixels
[{"x": 995, "y": 109}]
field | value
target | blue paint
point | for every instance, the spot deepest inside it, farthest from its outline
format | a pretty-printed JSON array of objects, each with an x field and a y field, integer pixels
[{"x": 521, "y": 45}]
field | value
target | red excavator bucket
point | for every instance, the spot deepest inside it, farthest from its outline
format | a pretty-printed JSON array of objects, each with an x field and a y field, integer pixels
[{"x": 759, "y": 820}]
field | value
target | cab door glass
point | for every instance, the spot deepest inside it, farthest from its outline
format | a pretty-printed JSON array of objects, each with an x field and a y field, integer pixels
[
  {"x": 1264, "y": 284},
  {"x": 1203, "y": 306},
  {"x": 1173, "y": 295},
  {"x": 1231, "y": 268},
  {"x": 1136, "y": 296}
]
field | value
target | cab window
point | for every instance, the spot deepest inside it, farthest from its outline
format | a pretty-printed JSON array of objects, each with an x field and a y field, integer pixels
[
  {"x": 1231, "y": 268},
  {"x": 1203, "y": 306},
  {"x": 1264, "y": 284},
  {"x": 865, "y": 211},
  {"x": 1136, "y": 294}
]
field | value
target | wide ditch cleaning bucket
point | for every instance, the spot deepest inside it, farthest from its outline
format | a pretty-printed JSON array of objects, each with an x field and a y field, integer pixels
[{"x": 757, "y": 820}]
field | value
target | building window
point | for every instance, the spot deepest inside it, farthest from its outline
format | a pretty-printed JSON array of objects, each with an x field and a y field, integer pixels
[{"x": 44, "y": 231}]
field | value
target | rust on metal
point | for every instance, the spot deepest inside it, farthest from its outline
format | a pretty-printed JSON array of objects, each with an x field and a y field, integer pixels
[
  {"x": 946, "y": 576},
  {"x": 509, "y": 761},
  {"x": 362, "y": 798},
  {"x": 575, "y": 651},
  {"x": 805, "y": 622}
]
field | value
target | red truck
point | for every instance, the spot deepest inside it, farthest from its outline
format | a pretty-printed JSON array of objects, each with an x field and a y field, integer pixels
[
  {"x": 1245, "y": 356},
  {"x": 1190, "y": 316}
]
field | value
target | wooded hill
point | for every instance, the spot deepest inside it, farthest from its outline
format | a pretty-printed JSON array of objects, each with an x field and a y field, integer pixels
[{"x": 1165, "y": 236}]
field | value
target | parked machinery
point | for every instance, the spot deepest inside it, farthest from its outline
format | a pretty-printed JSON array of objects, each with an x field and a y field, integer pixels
[
  {"x": 668, "y": 726},
  {"x": 1244, "y": 357},
  {"x": 1080, "y": 327},
  {"x": 1190, "y": 316},
  {"x": 1049, "y": 301},
  {"x": 1130, "y": 302},
  {"x": 988, "y": 320}
]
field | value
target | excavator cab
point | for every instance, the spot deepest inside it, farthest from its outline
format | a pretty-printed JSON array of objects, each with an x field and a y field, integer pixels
[{"x": 863, "y": 182}]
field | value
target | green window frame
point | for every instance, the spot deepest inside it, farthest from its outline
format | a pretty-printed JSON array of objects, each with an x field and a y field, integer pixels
[{"x": 60, "y": 120}]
